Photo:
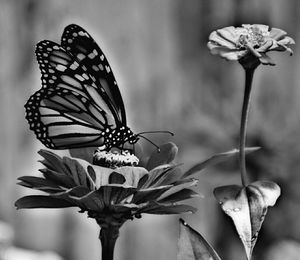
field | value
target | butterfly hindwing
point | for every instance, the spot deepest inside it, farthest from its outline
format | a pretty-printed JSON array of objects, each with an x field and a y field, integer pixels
[
  {"x": 60, "y": 121},
  {"x": 77, "y": 41}
]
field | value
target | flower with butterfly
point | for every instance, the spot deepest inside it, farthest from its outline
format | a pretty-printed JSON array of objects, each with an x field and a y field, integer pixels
[
  {"x": 79, "y": 108},
  {"x": 111, "y": 190}
]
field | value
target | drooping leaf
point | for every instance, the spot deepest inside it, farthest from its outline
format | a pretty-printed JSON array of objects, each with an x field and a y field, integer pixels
[
  {"x": 247, "y": 207},
  {"x": 192, "y": 246},
  {"x": 215, "y": 159}
]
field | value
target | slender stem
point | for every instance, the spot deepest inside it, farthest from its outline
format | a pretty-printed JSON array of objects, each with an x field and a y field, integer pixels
[
  {"x": 108, "y": 237},
  {"x": 244, "y": 119}
]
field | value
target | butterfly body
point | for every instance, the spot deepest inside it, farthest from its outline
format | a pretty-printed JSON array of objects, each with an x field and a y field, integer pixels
[
  {"x": 118, "y": 136},
  {"x": 79, "y": 104}
]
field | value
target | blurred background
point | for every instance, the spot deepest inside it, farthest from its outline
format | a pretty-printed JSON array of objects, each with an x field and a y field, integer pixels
[{"x": 169, "y": 81}]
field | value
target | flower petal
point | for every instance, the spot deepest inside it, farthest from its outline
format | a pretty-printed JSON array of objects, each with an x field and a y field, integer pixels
[
  {"x": 58, "y": 178},
  {"x": 226, "y": 37},
  {"x": 264, "y": 28},
  {"x": 160, "y": 208},
  {"x": 132, "y": 174},
  {"x": 156, "y": 173},
  {"x": 181, "y": 195},
  {"x": 53, "y": 161},
  {"x": 77, "y": 171},
  {"x": 105, "y": 197},
  {"x": 166, "y": 155},
  {"x": 266, "y": 46},
  {"x": 277, "y": 34},
  {"x": 85, "y": 153},
  {"x": 169, "y": 177},
  {"x": 228, "y": 54},
  {"x": 101, "y": 175},
  {"x": 149, "y": 194},
  {"x": 266, "y": 60},
  {"x": 116, "y": 178},
  {"x": 39, "y": 184},
  {"x": 177, "y": 188},
  {"x": 40, "y": 201},
  {"x": 125, "y": 208}
]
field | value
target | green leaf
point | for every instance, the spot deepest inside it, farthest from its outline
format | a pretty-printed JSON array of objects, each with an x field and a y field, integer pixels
[
  {"x": 192, "y": 246},
  {"x": 247, "y": 207},
  {"x": 166, "y": 155},
  {"x": 215, "y": 159}
]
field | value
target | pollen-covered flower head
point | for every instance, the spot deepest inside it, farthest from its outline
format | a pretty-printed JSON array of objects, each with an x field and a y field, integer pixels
[
  {"x": 249, "y": 41},
  {"x": 114, "y": 159},
  {"x": 118, "y": 192}
]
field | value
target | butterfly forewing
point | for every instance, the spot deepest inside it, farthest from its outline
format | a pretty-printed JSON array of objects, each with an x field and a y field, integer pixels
[
  {"x": 67, "y": 112},
  {"x": 77, "y": 41}
]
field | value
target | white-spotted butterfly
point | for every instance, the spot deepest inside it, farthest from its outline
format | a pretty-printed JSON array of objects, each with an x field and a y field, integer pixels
[{"x": 79, "y": 104}]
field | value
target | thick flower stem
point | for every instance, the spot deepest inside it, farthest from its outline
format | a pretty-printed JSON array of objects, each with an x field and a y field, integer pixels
[
  {"x": 108, "y": 237},
  {"x": 244, "y": 119}
]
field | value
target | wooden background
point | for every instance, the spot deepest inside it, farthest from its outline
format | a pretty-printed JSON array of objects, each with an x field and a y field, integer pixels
[{"x": 168, "y": 79}]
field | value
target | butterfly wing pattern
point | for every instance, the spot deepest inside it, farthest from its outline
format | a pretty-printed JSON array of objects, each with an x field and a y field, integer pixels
[
  {"x": 79, "y": 104},
  {"x": 82, "y": 45}
]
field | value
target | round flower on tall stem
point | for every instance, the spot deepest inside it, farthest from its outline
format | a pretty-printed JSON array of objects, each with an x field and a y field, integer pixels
[
  {"x": 247, "y": 204},
  {"x": 249, "y": 44},
  {"x": 112, "y": 190}
]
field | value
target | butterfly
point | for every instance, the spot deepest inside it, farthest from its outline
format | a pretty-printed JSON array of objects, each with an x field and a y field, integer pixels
[{"x": 79, "y": 104}]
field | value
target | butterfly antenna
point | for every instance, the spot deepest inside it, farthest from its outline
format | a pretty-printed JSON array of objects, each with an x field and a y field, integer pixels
[
  {"x": 157, "y": 147},
  {"x": 155, "y": 132}
]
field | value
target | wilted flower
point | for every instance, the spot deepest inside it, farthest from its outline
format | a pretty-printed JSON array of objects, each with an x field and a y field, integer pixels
[
  {"x": 249, "y": 42},
  {"x": 117, "y": 193}
]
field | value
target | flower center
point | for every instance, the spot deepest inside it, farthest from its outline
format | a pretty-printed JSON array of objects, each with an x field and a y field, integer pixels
[
  {"x": 251, "y": 36},
  {"x": 114, "y": 159}
]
